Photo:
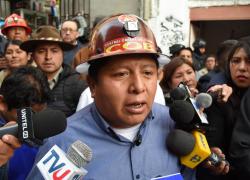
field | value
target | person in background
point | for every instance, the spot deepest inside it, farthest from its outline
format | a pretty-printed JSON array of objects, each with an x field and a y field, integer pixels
[
  {"x": 217, "y": 76},
  {"x": 3, "y": 63},
  {"x": 15, "y": 57},
  {"x": 3, "y": 42},
  {"x": 187, "y": 53},
  {"x": 65, "y": 83},
  {"x": 210, "y": 63},
  {"x": 69, "y": 33},
  {"x": 24, "y": 87},
  {"x": 239, "y": 146},
  {"x": 82, "y": 24},
  {"x": 222, "y": 117},
  {"x": 175, "y": 49},
  {"x": 82, "y": 54},
  {"x": 179, "y": 50},
  {"x": 182, "y": 70},
  {"x": 199, "y": 54},
  {"x": 14, "y": 28},
  {"x": 176, "y": 71}
]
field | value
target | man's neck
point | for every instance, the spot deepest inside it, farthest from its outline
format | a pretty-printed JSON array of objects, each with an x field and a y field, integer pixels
[{"x": 50, "y": 76}]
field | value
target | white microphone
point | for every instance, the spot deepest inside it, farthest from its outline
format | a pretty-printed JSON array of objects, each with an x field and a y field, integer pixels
[
  {"x": 56, "y": 165},
  {"x": 203, "y": 100}
]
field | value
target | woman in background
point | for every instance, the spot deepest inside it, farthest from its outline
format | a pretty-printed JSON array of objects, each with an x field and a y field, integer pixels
[
  {"x": 222, "y": 117},
  {"x": 15, "y": 57}
]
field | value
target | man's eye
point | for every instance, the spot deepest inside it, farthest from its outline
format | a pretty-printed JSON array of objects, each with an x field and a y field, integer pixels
[
  {"x": 121, "y": 74},
  {"x": 148, "y": 73},
  {"x": 41, "y": 51},
  {"x": 55, "y": 50}
]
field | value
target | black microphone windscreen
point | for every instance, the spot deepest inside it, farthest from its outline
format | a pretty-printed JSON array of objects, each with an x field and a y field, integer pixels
[
  {"x": 178, "y": 94},
  {"x": 180, "y": 142},
  {"x": 48, "y": 123},
  {"x": 181, "y": 112}
]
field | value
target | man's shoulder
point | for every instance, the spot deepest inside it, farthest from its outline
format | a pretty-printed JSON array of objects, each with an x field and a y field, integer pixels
[
  {"x": 70, "y": 75},
  {"x": 160, "y": 111},
  {"x": 82, "y": 115},
  {"x": 159, "y": 107}
]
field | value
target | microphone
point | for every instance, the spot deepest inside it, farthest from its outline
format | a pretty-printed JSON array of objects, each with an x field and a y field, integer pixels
[
  {"x": 192, "y": 148},
  {"x": 178, "y": 94},
  {"x": 179, "y": 108},
  {"x": 58, "y": 165},
  {"x": 203, "y": 100},
  {"x": 177, "y": 137},
  {"x": 199, "y": 114},
  {"x": 32, "y": 128},
  {"x": 184, "y": 114}
]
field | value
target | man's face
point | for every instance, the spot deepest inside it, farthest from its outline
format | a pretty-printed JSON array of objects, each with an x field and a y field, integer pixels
[
  {"x": 69, "y": 32},
  {"x": 202, "y": 50},
  {"x": 125, "y": 89},
  {"x": 210, "y": 63},
  {"x": 17, "y": 33},
  {"x": 48, "y": 57},
  {"x": 186, "y": 54}
]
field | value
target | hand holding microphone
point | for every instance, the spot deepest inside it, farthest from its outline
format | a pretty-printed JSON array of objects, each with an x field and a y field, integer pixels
[
  {"x": 31, "y": 129},
  {"x": 193, "y": 149},
  {"x": 223, "y": 167},
  {"x": 8, "y": 144},
  {"x": 221, "y": 92}
]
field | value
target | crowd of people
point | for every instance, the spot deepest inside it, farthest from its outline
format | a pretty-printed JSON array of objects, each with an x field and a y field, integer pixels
[{"x": 115, "y": 91}]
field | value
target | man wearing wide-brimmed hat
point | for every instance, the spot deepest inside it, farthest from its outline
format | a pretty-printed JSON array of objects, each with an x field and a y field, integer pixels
[{"x": 66, "y": 86}]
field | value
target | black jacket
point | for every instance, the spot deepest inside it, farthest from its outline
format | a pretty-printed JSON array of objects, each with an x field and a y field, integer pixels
[
  {"x": 222, "y": 118},
  {"x": 67, "y": 91},
  {"x": 240, "y": 144}
]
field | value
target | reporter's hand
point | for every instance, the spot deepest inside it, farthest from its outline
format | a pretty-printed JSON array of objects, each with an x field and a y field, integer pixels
[
  {"x": 8, "y": 144},
  {"x": 222, "y": 168},
  {"x": 225, "y": 92},
  {"x": 193, "y": 91}
]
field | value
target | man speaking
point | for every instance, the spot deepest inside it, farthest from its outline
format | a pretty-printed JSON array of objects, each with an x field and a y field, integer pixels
[{"x": 123, "y": 127}]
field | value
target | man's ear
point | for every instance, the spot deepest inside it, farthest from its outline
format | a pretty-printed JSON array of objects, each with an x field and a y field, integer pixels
[
  {"x": 92, "y": 84},
  {"x": 3, "y": 106},
  {"x": 160, "y": 74},
  {"x": 77, "y": 34}
]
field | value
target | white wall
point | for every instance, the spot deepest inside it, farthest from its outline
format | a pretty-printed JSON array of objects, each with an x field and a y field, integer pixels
[
  {"x": 171, "y": 23},
  {"x": 202, "y": 3}
]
